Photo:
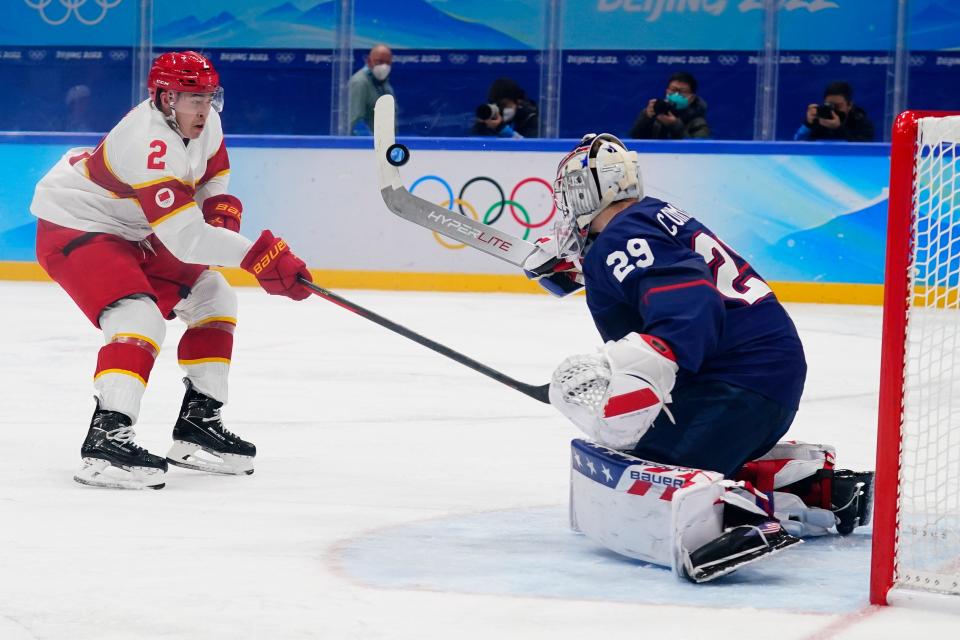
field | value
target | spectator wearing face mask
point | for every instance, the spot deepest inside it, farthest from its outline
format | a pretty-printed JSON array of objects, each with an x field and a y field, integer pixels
[
  {"x": 837, "y": 118},
  {"x": 681, "y": 115},
  {"x": 508, "y": 112},
  {"x": 365, "y": 86}
]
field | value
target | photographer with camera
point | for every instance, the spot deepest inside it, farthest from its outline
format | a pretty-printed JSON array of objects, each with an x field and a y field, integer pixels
[
  {"x": 837, "y": 118},
  {"x": 683, "y": 114},
  {"x": 507, "y": 113}
]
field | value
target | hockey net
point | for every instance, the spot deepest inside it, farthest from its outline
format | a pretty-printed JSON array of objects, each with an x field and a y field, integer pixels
[{"x": 916, "y": 545}]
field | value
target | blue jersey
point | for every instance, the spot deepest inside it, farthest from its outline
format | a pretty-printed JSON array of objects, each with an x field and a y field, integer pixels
[{"x": 654, "y": 269}]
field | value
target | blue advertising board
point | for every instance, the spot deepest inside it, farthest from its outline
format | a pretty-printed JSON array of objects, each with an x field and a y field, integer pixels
[{"x": 799, "y": 212}]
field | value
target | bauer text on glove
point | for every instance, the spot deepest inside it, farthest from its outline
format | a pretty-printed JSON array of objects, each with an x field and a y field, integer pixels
[
  {"x": 224, "y": 211},
  {"x": 276, "y": 268}
]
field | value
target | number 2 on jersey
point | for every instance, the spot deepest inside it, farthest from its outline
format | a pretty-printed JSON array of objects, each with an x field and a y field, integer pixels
[
  {"x": 158, "y": 149},
  {"x": 622, "y": 264},
  {"x": 716, "y": 256}
]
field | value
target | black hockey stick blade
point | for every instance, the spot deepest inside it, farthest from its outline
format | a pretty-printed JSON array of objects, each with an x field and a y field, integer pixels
[
  {"x": 474, "y": 233},
  {"x": 536, "y": 392}
]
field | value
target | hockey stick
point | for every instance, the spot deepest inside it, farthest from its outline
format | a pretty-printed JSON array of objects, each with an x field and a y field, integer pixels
[
  {"x": 535, "y": 392},
  {"x": 425, "y": 213}
]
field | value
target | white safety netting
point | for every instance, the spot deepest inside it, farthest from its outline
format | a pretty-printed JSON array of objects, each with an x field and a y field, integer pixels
[{"x": 928, "y": 545}]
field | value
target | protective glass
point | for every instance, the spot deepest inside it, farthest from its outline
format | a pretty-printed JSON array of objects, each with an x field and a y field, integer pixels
[{"x": 194, "y": 103}]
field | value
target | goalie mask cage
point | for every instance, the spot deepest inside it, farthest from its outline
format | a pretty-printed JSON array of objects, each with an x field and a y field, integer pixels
[{"x": 916, "y": 530}]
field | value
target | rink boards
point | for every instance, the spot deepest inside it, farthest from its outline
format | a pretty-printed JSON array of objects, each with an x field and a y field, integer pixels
[{"x": 810, "y": 217}]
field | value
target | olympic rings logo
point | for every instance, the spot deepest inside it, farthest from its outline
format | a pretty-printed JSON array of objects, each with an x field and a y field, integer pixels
[
  {"x": 534, "y": 215},
  {"x": 72, "y": 7}
]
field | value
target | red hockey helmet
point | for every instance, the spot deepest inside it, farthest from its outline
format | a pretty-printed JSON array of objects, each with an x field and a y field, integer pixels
[{"x": 183, "y": 71}]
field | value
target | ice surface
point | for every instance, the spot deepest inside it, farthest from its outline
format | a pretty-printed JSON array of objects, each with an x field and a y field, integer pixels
[{"x": 397, "y": 494}]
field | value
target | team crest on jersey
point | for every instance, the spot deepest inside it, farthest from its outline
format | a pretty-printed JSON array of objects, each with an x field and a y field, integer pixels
[{"x": 164, "y": 198}]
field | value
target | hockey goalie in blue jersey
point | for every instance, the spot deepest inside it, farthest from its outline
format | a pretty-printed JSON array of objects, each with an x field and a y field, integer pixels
[{"x": 698, "y": 381}]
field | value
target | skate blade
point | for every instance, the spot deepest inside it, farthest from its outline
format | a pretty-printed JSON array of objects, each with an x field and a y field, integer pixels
[
  {"x": 192, "y": 456},
  {"x": 706, "y": 576},
  {"x": 100, "y": 473}
]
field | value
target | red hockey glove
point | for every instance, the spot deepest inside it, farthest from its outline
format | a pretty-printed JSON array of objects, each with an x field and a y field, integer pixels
[
  {"x": 223, "y": 211},
  {"x": 276, "y": 268}
]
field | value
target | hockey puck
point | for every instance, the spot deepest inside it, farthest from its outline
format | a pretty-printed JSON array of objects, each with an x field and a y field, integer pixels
[{"x": 397, "y": 155}]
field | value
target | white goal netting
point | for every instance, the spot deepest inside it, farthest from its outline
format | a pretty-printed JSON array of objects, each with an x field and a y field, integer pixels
[{"x": 928, "y": 529}]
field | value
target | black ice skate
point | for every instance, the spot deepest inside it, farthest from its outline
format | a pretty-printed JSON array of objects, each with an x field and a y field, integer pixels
[
  {"x": 201, "y": 442},
  {"x": 851, "y": 499},
  {"x": 737, "y": 547},
  {"x": 111, "y": 459}
]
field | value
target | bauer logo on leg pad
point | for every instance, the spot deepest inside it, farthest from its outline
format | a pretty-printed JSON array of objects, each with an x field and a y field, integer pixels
[
  {"x": 655, "y": 478},
  {"x": 630, "y": 474},
  {"x": 642, "y": 509}
]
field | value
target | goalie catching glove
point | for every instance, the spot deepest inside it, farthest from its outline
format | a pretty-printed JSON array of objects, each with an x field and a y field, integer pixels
[
  {"x": 615, "y": 395},
  {"x": 276, "y": 268},
  {"x": 553, "y": 269}
]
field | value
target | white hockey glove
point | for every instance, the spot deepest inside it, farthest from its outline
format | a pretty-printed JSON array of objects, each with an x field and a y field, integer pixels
[
  {"x": 615, "y": 395},
  {"x": 554, "y": 268}
]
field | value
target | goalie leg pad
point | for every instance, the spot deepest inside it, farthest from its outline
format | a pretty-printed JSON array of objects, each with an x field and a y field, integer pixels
[
  {"x": 808, "y": 492},
  {"x": 643, "y": 510},
  {"x": 788, "y": 463}
]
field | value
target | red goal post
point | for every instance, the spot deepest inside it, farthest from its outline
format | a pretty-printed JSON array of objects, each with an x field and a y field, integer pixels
[{"x": 916, "y": 523}]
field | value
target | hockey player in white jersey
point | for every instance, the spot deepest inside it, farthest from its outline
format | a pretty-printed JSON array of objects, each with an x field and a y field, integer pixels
[{"x": 128, "y": 229}]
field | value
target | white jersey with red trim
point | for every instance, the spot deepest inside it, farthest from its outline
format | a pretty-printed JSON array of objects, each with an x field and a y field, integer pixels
[{"x": 143, "y": 179}]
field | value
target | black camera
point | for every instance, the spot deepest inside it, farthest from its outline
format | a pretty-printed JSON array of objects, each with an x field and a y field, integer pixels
[
  {"x": 487, "y": 111},
  {"x": 661, "y": 107},
  {"x": 825, "y": 111}
]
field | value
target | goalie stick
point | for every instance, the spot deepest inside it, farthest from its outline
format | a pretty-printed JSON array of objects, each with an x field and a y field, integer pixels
[
  {"x": 536, "y": 392},
  {"x": 427, "y": 214}
]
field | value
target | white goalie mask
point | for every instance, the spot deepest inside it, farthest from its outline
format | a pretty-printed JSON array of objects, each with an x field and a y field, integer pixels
[{"x": 599, "y": 172}]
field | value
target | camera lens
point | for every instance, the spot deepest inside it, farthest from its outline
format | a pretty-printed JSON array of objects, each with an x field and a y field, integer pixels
[
  {"x": 487, "y": 111},
  {"x": 661, "y": 107}
]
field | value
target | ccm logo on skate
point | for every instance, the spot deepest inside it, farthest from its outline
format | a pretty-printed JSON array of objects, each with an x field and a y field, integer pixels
[
  {"x": 654, "y": 478},
  {"x": 269, "y": 256}
]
